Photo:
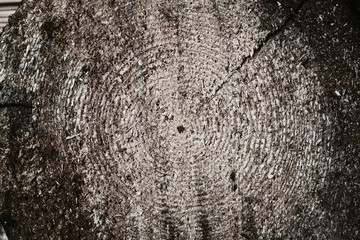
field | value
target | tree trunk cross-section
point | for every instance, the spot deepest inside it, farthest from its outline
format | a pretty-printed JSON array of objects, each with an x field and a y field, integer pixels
[{"x": 154, "y": 119}]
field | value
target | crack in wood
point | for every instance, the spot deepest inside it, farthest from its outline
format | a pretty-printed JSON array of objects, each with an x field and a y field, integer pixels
[{"x": 264, "y": 42}]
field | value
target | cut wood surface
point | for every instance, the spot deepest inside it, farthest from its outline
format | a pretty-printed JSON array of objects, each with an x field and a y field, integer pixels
[{"x": 211, "y": 119}]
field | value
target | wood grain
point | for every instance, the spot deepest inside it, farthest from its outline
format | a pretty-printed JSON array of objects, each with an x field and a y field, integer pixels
[{"x": 179, "y": 120}]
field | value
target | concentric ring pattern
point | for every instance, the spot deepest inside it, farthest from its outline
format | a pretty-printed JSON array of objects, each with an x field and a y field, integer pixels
[
  {"x": 176, "y": 128},
  {"x": 191, "y": 143}
]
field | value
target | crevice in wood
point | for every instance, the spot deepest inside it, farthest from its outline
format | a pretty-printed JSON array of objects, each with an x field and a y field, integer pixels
[
  {"x": 273, "y": 34},
  {"x": 264, "y": 42}
]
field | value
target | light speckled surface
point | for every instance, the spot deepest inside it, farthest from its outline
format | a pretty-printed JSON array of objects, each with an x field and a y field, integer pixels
[{"x": 179, "y": 120}]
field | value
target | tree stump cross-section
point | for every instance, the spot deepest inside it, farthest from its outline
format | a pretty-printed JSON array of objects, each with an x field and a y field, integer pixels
[{"x": 211, "y": 119}]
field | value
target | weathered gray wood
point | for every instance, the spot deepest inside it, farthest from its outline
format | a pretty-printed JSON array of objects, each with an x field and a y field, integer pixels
[{"x": 180, "y": 120}]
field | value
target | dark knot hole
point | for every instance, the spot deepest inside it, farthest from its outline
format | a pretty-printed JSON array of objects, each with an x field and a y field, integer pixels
[{"x": 180, "y": 129}]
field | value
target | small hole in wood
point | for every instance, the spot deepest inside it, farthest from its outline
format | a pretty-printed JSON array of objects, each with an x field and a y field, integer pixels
[{"x": 180, "y": 129}]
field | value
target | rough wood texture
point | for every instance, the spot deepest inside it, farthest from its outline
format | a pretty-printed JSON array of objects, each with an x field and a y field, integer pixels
[{"x": 212, "y": 119}]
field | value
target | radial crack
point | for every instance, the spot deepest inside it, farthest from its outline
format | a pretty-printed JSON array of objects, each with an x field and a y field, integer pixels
[
  {"x": 272, "y": 34},
  {"x": 268, "y": 37}
]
